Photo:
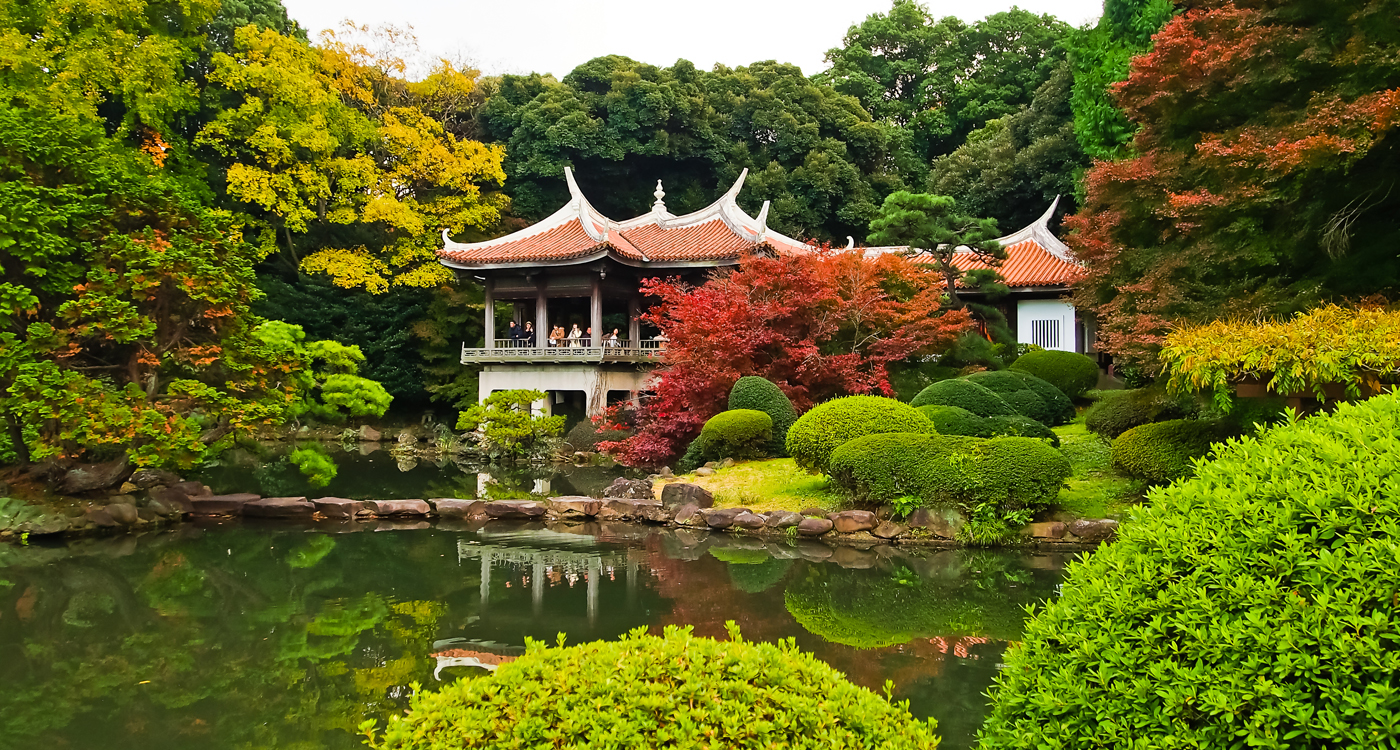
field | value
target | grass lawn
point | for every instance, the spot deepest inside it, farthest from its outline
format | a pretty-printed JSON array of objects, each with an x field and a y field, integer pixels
[
  {"x": 771, "y": 484},
  {"x": 1094, "y": 489}
]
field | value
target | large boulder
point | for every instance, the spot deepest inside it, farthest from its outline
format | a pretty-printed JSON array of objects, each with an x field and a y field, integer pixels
[
  {"x": 167, "y": 500},
  {"x": 89, "y": 477},
  {"x": 221, "y": 505},
  {"x": 279, "y": 507},
  {"x": 814, "y": 526},
  {"x": 681, "y": 493},
  {"x": 339, "y": 507},
  {"x": 147, "y": 478},
  {"x": 630, "y": 489},
  {"x": 850, "y": 521},
  {"x": 452, "y": 508},
  {"x": 575, "y": 506},
  {"x": 515, "y": 509},
  {"x": 192, "y": 489},
  {"x": 751, "y": 521},
  {"x": 399, "y": 507},
  {"x": 123, "y": 513},
  {"x": 1096, "y": 530}
]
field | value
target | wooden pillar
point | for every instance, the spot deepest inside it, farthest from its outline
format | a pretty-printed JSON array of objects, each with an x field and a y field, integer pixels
[
  {"x": 490, "y": 308},
  {"x": 595, "y": 309},
  {"x": 541, "y": 313},
  {"x": 634, "y": 323}
]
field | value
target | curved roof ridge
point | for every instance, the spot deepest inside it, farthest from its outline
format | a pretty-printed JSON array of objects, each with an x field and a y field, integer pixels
[{"x": 1039, "y": 232}]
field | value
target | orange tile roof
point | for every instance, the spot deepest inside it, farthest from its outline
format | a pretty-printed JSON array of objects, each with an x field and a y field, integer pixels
[
  {"x": 560, "y": 243},
  {"x": 711, "y": 240},
  {"x": 1026, "y": 264}
]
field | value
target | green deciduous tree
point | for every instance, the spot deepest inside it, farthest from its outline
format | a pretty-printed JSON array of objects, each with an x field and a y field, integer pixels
[
  {"x": 1101, "y": 56},
  {"x": 941, "y": 79},
  {"x": 324, "y": 375},
  {"x": 933, "y": 226},
  {"x": 1012, "y": 168},
  {"x": 622, "y": 125}
]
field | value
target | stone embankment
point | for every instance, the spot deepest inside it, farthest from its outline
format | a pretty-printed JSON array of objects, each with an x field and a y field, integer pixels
[{"x": 164, "y": 499}]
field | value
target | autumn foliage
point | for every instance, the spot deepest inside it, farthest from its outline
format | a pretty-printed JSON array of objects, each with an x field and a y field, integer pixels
[
  {"x": 817, "y": 325},
  {"x": 1263, "y": 175}
]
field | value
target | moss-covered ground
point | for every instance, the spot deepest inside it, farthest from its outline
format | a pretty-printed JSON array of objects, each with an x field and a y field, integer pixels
[
  {"x": 1094, "y": 489},
  {"x": 772, "y": 484}
]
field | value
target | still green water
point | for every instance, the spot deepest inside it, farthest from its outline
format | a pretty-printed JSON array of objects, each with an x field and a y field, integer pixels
[{"x": 242, "y": 636}]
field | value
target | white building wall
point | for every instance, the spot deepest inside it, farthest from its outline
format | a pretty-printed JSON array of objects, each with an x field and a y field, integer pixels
[
  {"x": 594, "y": 381},
  {"x": 1046, "y": 323}
]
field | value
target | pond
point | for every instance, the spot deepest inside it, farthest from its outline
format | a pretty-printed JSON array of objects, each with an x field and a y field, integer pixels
[
  {"x": 380, "y": 475},
  {"x": 238, "y": 635}
]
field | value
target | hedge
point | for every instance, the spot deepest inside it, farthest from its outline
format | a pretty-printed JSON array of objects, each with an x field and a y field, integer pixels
[
  {"x": 1116, "y": 412},
  {"x": 674, "y": 691},
  {"x": 1163, "y": 452},
  {"x": 1252, "y": 605},
  {"x": 738, "y": 433},
  {"x": 753, "y": 392},
  {"x": 998, "y": 477},
  {"x": 827, "y": 426},
  {"x": 1073, "y": 374},
  {"x": 964, "y": 394},
  {"x": 951, "y": 420},
  {"x": 1028, "y": 395}
]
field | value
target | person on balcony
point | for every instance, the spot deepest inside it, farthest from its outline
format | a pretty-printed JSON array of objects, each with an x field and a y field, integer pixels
[
  {"x": 513, "y": 335},
  {"x": 556, "y": 336},
  {"x": 612, "y": 340},
  {"x": 528, "y": 337},
  {"x": 588, "y": 339},
  {"x": 574, "y": 335}
]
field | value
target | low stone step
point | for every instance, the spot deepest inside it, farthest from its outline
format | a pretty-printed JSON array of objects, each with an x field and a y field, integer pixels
[
  {"x": 398, "y": 507},
  {"x": 279, "y": 507},
  {"x": 516, "y": 509},
  {"x": 221, "y": 505},
  {"x": 339, "y": 507}
]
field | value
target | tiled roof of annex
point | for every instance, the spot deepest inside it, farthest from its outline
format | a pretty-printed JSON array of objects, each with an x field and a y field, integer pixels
[
  {"x": 578, "y": 233},
  {"x": 1035, "y": 257}
]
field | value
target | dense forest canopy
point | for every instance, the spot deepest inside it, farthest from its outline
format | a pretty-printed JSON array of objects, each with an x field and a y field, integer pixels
[{"x": 176, "y": 174}]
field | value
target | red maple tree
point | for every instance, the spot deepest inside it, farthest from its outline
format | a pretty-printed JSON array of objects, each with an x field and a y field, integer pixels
[
  {"x": 817, "y": 325},
  {"x": 1263, "y": 175}
]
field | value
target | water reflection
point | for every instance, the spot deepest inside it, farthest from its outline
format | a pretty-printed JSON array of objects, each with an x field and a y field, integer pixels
[
  {"x": 271, "y": 636},
  {"x": 385, "y": 476}
]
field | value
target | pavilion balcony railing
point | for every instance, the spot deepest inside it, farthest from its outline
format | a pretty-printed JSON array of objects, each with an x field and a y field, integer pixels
[{"x": 576, "y": 350}]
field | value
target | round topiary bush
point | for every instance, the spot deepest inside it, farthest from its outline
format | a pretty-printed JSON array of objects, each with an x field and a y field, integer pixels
[
  {"x": 1019, "y": 426},
  {"x": 646, "y": 691},
  {"x": 955, "y": 420},
  {"x": 1116, "y": 412},
  {"x": 964, "y": 394},
  {"x": 1253, "y": 605},
  {"x": 585, "y": 436},
  {"x": 1074, "y": 374},
  {"x": 827, "y": 426},
  {"x": 753, "y": 392},
  {"x": 1011, "y": 473},
  {"x": 1029, "y": 396},
  {"x": 738, "y": 433},
  {"x": 1163, "y": 452}
]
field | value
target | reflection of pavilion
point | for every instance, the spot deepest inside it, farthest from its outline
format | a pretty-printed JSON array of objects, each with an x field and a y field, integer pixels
[{"x": 570, "y": 557}]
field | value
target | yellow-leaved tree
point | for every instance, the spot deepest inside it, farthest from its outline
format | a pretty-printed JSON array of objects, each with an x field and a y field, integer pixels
[{"x": 335, "y": 143}]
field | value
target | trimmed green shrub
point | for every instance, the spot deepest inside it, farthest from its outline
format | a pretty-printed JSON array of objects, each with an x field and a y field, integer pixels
[
  {"x": 955, "y": 420},
  {"x": 951, "y": 420},
  {"x": 827, "y": 426},
  {"x": 675, "y": 691},
  {"x": 1019, "y": 426},
  {"x": 738, "y": 433},
  {"x": 693, "y": 458},
  {"x": 908, "y": 379},
  {"x": 1116, "y": 412},
  {"x": 1252, "y": 605},
  {"x": 753, "y": 392},
  {"x": 585, "y": 436},
  {"x": 1060, "y": 405},
  {"x": 996, "y": 481},
  {"x": 1038, "y": 400},
  {"x": 964, "y": 394},
  {"x": 1163, "y": 452},
  {"x": 1074, "y": 374}
]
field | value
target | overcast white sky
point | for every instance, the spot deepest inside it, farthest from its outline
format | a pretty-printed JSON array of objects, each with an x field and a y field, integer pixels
[{"x": 554, "y": 36}]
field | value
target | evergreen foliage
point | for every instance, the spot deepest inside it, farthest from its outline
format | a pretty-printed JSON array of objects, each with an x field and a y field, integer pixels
[
  {"x": 1252, "y": 605},
  {"x": 964, "y": 394},
  {"x": 1072, "y": 373},
  {"x": 507, "y": 423},
  {"x": 737, "y": 433},
  {"x": 830, "y": 425},
  {"x": 1162, "y": 452},
  {"x": 953, "y": 420},
  {"x": 673, "y": 690},
  {"x": 753, "y": 392},
  {"x": 1116, "y": 412},
  {"x": 1016, "y": 390}
]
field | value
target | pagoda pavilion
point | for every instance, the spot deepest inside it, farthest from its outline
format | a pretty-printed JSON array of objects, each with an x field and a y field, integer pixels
[{"x": 578, "y": 268}]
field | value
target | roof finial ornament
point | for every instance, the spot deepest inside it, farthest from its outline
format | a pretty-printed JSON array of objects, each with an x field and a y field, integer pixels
[{"x": 659, "y": 206}]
